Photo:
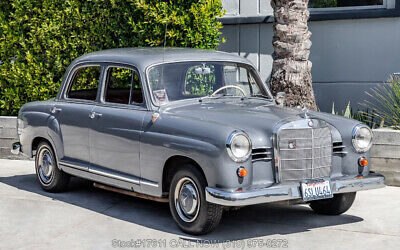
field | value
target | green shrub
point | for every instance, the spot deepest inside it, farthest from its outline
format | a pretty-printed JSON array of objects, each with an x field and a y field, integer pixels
[
  {"x": 40, "y": 38},
  {"x": 385, "y": 103},
  {"x": 364, "y": 116}
]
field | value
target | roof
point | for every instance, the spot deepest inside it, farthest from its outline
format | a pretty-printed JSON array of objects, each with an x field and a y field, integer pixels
[{"x": 143, "y": 57}]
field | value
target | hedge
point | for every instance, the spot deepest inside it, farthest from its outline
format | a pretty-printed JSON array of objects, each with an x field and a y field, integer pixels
[{"x": 40, "y": 38}]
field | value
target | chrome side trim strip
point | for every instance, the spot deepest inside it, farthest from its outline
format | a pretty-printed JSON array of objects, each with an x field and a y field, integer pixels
[
  {"x": 73, "y": 166},
  {"x": 129, "y": 179},
  {"x": 114, "y": 176},
  {"x": 149, "y": 183}
]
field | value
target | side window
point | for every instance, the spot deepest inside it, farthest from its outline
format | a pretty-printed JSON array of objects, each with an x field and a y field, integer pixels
[
  {"x": 123, "y": 86},
  {"x": 85, "y": 83}
]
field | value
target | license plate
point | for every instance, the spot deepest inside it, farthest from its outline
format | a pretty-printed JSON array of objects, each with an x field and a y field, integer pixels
[{"x": 316, "y": 190}]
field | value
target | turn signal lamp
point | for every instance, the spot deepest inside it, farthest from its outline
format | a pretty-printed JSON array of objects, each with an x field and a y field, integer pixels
[
  {"x": 242, "y": 172},
  {"x": 363, "y": 162}
]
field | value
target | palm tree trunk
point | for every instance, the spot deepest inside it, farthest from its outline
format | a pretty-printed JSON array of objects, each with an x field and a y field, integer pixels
[{"x": 291, "y": 71}]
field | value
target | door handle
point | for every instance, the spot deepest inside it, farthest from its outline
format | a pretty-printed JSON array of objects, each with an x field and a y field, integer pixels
[
  {"x": 54, "y": 110},
  {"x": 93, "y": 115}
]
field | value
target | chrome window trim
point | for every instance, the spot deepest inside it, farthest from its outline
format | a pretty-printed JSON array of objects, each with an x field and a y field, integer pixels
[
  {"x": 250, "y": 66},
  {"x": 70, "y": 78},
  {"x": 104, "y": 83},
  {"x": 67, "y": 78}
]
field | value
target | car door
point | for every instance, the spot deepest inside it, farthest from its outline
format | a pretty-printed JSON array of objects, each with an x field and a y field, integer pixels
[
  {"x": 72, "y": 113},
  {"x": 116, "y": 124}
]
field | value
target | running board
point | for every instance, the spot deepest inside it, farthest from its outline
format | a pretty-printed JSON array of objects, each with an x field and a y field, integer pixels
[{"x": 131, "y": 193}]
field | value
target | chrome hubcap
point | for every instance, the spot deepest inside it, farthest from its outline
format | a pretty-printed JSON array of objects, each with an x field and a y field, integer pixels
[
  {"x": 46, "y": 165},
  {"x": 187, "y": 199}
]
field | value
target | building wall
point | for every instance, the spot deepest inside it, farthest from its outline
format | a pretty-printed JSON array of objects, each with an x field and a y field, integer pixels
[{"x": 349, "y": 56}]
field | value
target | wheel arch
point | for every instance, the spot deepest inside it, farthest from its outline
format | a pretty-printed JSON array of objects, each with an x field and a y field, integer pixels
[
  {"x": 172, "y": 164},
  {"x": 37, "y": 140}
]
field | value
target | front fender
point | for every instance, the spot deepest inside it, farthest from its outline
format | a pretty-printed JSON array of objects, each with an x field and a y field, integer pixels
[{"x": 201, "y": 141}]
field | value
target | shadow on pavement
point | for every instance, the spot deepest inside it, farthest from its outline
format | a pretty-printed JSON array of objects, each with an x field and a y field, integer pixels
[{"x": 248, "y": 222}]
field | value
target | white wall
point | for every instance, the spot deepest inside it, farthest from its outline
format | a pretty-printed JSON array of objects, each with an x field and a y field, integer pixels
[
  {"x": 247, "y": 7},
  {"x": 355, "y": 54}
]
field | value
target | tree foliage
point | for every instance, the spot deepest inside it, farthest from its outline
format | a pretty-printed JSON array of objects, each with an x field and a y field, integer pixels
[{"x": 40, "y": 38}]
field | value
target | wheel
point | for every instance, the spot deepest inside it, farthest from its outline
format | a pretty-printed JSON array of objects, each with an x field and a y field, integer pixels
[
  {"x": 50, "y": 177},
  {"x": 339, "y": 204},
  {"x": 188, "y": 205}
]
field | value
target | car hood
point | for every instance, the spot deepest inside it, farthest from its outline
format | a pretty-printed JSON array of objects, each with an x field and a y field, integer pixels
[
  {"x": 256, "y": 118},
  {"x": 236, "y": 114}
]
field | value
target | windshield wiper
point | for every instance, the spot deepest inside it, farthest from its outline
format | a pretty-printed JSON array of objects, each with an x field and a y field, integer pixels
[{"x": 216, "y": 96}]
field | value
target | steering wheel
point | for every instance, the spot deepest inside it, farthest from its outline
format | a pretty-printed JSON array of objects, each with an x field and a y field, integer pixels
[{"x": 227, "y": 87}]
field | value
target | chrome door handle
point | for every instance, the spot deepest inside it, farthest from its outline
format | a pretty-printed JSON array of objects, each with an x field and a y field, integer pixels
[
  {"x": 54, "y": 110},
  {"x": 93, "y": 115}
]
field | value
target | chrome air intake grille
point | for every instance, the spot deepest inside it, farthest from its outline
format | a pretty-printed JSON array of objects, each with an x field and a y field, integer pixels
[{"x": 304, "y": 153}]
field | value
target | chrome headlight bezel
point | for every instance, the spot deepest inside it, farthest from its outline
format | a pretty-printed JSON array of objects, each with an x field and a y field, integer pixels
[
  {"x": 354, "y": 134},
  {"x": 229, "y": 142}
]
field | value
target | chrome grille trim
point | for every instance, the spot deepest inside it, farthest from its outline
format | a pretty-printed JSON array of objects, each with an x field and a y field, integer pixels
[
  {"x": 338, "y": 148},
  {"x": 261, "y": 154},
  {"x": 311, "y": 156},
  {"x": 299, "y": 159},
  {"x": 284, "y": 149}
]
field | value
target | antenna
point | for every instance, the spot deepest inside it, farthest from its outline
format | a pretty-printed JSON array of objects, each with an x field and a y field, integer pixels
[{"x": 165, "y": 38}]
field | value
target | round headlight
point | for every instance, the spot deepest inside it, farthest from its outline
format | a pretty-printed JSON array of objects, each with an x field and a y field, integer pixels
[
  {"x": 362, "y": 138},
  {"x": 238, "y": 146}
]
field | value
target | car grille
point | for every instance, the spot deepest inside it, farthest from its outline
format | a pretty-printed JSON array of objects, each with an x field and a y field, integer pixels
[{"x": 304, "y": 153}]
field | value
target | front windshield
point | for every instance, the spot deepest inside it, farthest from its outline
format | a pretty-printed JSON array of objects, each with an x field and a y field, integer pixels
[{"x": 183, "y": 80}]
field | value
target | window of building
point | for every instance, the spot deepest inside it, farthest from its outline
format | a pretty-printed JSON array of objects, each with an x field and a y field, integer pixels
[
  {"x": 357, "y": 4},
  {"x": 85, "y": 83}
]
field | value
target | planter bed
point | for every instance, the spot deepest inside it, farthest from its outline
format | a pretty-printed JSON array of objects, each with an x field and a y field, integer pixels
[{"x": 385, "y": 154}]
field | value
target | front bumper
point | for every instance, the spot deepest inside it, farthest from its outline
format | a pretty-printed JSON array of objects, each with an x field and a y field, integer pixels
[{"x": 288, "y": 192}]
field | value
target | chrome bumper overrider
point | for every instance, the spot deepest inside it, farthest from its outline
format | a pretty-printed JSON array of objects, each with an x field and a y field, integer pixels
[{"x": 288, "y": 192}]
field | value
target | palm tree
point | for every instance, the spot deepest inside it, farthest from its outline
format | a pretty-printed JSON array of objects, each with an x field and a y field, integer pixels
[{"x": 291, "y": 71}]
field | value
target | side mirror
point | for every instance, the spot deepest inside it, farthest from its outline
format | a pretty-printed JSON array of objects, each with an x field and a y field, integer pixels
[{"x": 280, "y": 98}]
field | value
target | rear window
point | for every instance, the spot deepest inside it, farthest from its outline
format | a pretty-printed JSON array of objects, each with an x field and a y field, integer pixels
[{"x": 85, "y": 83}]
